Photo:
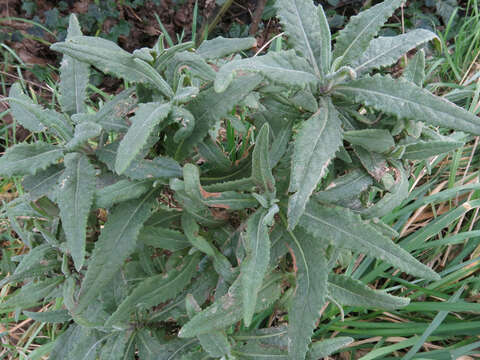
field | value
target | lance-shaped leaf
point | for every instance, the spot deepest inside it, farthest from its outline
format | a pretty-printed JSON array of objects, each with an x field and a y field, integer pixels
[
  {"x": 228, "y": 309},
  {"x": 196, "y": 65},
  {"x": 163, "y": 238},
  {"x": 146, "y": 119},
  {"x": 43, "y": 183},
  {"x": 425, "y": 149},
  {"x": 34, "y": 117},
  {"x": 122, "y": 190},
  {"x": 378, "y": 140},
  {"x": 394, "y": 198},
  {"x": 215, "y": 158},
  {"x": 347, "y": 230},
  {"x": 216, "y": 343},
  {"x": 375, "y": 163},
  {"x": 415, "y": 69},
  {"x": 83, "y": 132},
  {"x": 165, "y": 55},
  {"x": 221, "y": 47},
  {"x": 348, "y": 291},
  {"x": 282, "y": 67},
  {"x": 385, "y": 51},
  {"x": 228, "y": 200},
  {"x": 345, "y": 187},
  {"x": 191, "y": 229},
  {"x": 280, "y": 144},
  {"x": 28, "y": 295},
  {"x": 221, "y": 264},
  {"x": 310, "y": 291},
  {"x": 74, "y": 343},
  {"x": 54, "y": 316},
  {"x": 248, "y": 350},
  {"x": 306, "y": 30},
  {"x": 407, "y": 101},
  {"x": 141, "y": 169},
  {"x": 261, "y": 169},
  {"x": 354, "y": 38},
  {"x": 112, "y": 59},
  {"x": 115, "y": 346},
  {"x": 151, "y": 348},
  {"x": 155, "y": 290},
  {"x": 75, "y": 198},
  {"x": 73, "y": 76},
  {"x": 316, "y": 144},
  {"x": 111, "y": 115},
  {"x": 210, "y": 107},
  {"x": 116, "y": 242},
  {"x": 23, "y": 159},
  {"x": 254, "y": 266},
  {"x": 326, "y": 347},
  {"x": 35, "y": 256},
  {"x": 185, "y": 120},
  {"x": 25, "y": 112}
]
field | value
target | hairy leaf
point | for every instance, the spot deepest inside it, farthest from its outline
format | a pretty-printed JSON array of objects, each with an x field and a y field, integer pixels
[
  {"x": 28, "y": 295},
  {"x": 345, "y": 187},
  {"x": 141, "y": 169},
  {"x": 163, "y": 238},
  {"x": 347, "y": 230},
  {"x": 423, "y": 150},
  {"x": 315, "y": 145},
  {"x": 385, "y": 51},
  {"x": 305, "y": 29},
  {"x": 53, "y": 316},
  {"x": 348, "y": 291},
  {"x": 282, "y": 67},
  {"x": 73, "y": 76},
  {"x": 378, "y": 140},
  {"x": 196, "y": 65},
  {"x": 43, "y": 182},
  {"x": 77, "y": 342},
  {"x": 375, "y": 164},
  {"x": 354, "y": 38},
  {"x": 118, "y": 237},
  {"x": 310, "y": 291},
  {"x": 250, "y": 350},
  {"x": 112, "y": 59},
  {"x": 326, "y": 347},
  {"x": 216, "y": 343},
  {"x": 111, "y": 115},
  {"x": 25, "y": 112},
  {"x": 115, "y": 346},
  {"x": 34, "y": 117},
  {"x": 228, "y": 200},
  {"x": 166, "y": 55},
  {"x": 227, "y": 310},
  {"x": 415, "y": 69},
  {"x": 155, "y": 290},
  {"x": 23, "y": 159},
  {"x": 75, "y": 198},
  {"x": 210, "y": 107},
  {"x": 407, "y": 101},
  {"x": 394, "y": 198},
  {"x": 220, "y": 47},
  {"x": 254, "y": 266},
  {"x": 261, "y": 170},
  {"x": 83, "y": 132},
  {"x": 122, "y": 190},
  {"x": 146, "y": 119},
  {"x": 151, "y": 348}
]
